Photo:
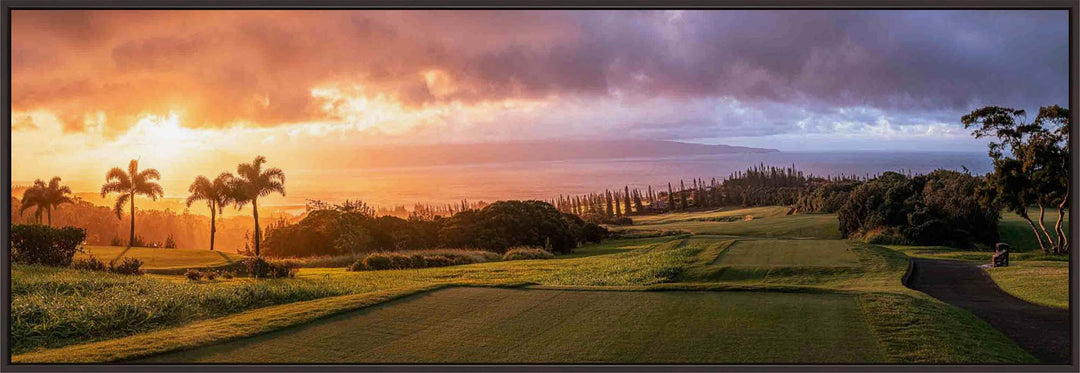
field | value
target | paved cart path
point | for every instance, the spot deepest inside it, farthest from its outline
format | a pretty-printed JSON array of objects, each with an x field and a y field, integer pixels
[{"x": 1041, "y": 330}]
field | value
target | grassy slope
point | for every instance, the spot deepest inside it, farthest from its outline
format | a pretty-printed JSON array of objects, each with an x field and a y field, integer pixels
[
  {"x": 538, "y": 326},
  {"x": 908, "y": 326},
  {"x": 824, "y": 226},
  {"x": 161, "y": 259},
  {"x": 1039, "y": 282}
]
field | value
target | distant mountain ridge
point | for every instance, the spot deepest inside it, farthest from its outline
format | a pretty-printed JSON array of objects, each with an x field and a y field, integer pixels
[{"x": 533, "y": 151}]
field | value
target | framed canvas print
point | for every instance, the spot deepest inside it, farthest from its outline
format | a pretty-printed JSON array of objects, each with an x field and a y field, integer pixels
[{"x": 474, "y": 186}]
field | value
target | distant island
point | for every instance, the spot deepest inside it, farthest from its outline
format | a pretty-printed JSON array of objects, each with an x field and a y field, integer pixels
[{"x": 531, "y": 151}]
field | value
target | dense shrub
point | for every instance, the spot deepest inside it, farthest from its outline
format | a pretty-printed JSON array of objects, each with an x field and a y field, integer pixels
[
  {"x": 127, "y": 266},
  {"x": 505, "y": 224},
  {"x": 88, "y": 264},
  {"x": 526, "y": 253},
  {"x": 39, "y": 244},
  {"x": 193, "y": 274},
  {"x": 940, "y": 208},
  {"x": 261, "y": 268},
  {"x": 347, "y": 235}
]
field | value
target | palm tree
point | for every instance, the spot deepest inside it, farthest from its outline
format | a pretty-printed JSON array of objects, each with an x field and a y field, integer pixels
[
  {"x": 34, "y": 197},
  {"x": 128, "y": 185},
  {"x": 253, "y": 182},
  {"x": 45, "y": 197},
  {"x": 215, "y": 193}
]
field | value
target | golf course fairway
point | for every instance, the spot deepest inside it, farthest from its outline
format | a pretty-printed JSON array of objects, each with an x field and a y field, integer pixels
[{"x": 473, "y": 325}]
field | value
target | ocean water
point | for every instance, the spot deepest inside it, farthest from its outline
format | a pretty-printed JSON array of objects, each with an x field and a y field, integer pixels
[{"x": 543, "y": 180}]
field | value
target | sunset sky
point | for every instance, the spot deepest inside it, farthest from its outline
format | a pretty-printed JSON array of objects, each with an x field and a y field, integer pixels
[{"x": 196, "y": 92}]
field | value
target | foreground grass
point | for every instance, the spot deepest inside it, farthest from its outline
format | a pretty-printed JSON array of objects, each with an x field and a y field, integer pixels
[
  {"x": 916, "y": 328},
  {"x": 1039, "y": 282},
  {"x": 551, "y": 326},
  {"x": 54, "y": 307}
]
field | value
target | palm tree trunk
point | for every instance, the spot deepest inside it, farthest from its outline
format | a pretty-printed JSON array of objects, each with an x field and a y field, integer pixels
[
  {"x": 48, "y": 212},
  {"x": 255, "y": 208},
  {"x": 213, "y": 226},
  {"x": 131, "y": 238}
]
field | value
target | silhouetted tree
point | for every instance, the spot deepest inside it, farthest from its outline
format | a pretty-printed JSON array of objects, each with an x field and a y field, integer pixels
[
  {"x": 217, "y": 195},
  {"x": 130, "y": 184},
  {"x": 45, "y": 197},
  {"x": 252, "y": 182}
]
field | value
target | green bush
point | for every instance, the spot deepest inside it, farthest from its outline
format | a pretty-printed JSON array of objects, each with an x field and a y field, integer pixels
[
  {"x": 88, "y": 264},
  {"x": 127, "y": 266},
  {"x": 421, "y": 259},
  {"x": 260, "y": 268},
  {"x": 527, "y": 253},
  {"x": 39, "y": 244}
]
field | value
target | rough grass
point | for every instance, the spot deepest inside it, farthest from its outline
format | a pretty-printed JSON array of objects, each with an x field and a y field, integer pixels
[
  {"x": 1039, "y": 282},
  {"x": 53, "y": 307},
  {"x": 918, "y": 329},
  {"x": 547, "y": 326},
  {"x": 162, "y": 259}
]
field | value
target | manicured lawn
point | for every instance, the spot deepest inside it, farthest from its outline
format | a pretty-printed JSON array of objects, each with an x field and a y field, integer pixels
[
  {"x": 163, "y": 259},
  {"x": 786, "y": 253},
  {"x": 1039, "y": 282},
  {"x": 462, "y": 325},
  {"x": 1017, "y": 232},
  {"x": 823, "y": 226},
  {"x": 725, "y": 212}
]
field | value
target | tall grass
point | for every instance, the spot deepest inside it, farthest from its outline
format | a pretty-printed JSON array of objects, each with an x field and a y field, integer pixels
[{"x": 53, "y": 307}]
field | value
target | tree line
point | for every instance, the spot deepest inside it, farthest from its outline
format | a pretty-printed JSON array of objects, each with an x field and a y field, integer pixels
[
  {"x": 759, "y": 185},
  {"x": 353, "y": 228},
  {"x": 250, "y": 182}
]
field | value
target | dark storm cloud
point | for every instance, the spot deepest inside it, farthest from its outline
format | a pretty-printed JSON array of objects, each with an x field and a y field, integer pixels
[{"x": 259, "y": 68}]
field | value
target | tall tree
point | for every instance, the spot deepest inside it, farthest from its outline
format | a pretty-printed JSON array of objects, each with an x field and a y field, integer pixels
[
  {"x": 130, "y": 184},
  {"x": 252, "y": 182},
  {"x": 670, "y": 198},
  {"x": 1031, "y": 165},
  {"x": 46, "y": 197},
  {"x": 215, "y": 193}
]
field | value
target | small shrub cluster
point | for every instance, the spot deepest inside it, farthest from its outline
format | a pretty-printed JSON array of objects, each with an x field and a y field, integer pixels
[
  {"x": 40, "y": 244},
  {"x": 261, "y": 268},
  {"x": 421, "y": 259},
  {"x": 196, "y": 275},
  {"x": 89, "y": 264},
  {"x": 527, "y": 253},
  {"x": 170, "y": 242},
  {"x": 128, "y": 266}
]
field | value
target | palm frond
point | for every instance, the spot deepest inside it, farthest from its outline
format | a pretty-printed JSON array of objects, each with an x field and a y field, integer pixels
[
  {"x": 272, "y": 187},
  {"x": 118, "y": 208},
  {"x": 150, "y": 189},
  {"x": 150, "y": 174},
  {"x": 133, "y": 168},
  {"x": 114, "y": 187}
]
